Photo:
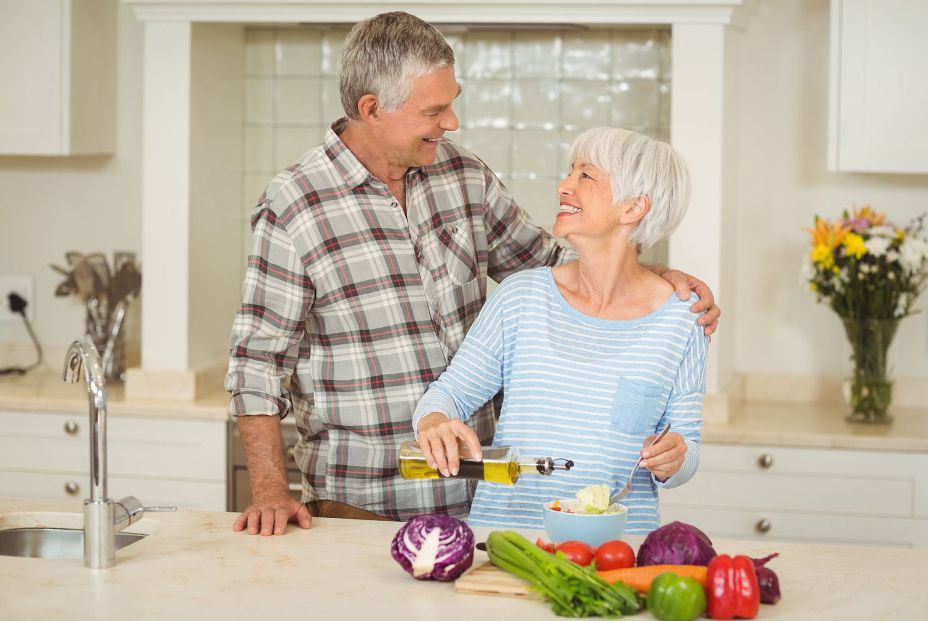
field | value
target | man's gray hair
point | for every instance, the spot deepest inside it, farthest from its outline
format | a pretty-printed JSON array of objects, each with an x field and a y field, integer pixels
[
  {"x": 637, "y": 165},
  {"x": 383, "y": 54}
]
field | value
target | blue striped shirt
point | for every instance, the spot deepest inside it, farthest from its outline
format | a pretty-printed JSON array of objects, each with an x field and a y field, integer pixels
[{"x": 577, "y": 387}]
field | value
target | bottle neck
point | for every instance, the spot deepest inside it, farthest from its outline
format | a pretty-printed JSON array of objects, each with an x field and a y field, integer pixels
[{"x": 543, "y": 465}]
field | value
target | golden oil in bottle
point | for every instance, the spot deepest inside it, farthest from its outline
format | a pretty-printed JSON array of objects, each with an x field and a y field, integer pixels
[{"x": 500, "y": 464}]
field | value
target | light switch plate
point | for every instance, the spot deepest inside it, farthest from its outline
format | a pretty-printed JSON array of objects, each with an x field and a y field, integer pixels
[{"x": 22, "y": 286}]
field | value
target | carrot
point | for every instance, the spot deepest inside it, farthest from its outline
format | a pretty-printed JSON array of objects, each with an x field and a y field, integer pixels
[{"x": 640, "y": 578}]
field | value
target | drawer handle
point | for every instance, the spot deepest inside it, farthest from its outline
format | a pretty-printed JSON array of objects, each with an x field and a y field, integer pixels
[
  {"x": 763, "y": 526},
  {"x": 765, "y": 460},
  {"x": 295, "y": 487},
  {"x": 71, "y": 428},
  {"x": 71, "y": 488}
]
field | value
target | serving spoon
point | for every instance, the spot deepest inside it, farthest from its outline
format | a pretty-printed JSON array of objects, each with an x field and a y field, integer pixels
[{"x": 622, "y": 493}]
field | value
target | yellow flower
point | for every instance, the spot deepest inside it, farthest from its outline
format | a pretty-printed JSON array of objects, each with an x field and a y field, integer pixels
[
  {"x": 813, "y": 286},
  {"x": 822, "y": 256},
  {"x": 827, "y": 234},
  {"x": 854, "y": 245},
  {"x": 900, "y": 234},
  {"x": 835, "y": 269},
  {"x": 867, "y": 213}
]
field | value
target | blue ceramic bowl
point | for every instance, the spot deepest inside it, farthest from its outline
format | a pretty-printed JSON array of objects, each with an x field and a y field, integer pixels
[{"x": 593, "y": 530}]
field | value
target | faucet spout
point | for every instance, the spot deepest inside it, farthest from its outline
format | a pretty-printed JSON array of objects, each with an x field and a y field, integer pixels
[{"x": 84, "y": 356}]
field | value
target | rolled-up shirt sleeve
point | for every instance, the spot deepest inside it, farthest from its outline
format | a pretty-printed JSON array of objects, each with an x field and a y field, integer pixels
[{"x": 276, "y": 296}]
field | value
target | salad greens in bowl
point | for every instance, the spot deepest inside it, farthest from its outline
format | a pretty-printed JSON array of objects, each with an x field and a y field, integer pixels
[{"x": 588, "y": 518}]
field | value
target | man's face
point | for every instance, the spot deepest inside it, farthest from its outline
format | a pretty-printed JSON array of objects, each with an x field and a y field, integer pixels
[{"x": 411, "y": 134}]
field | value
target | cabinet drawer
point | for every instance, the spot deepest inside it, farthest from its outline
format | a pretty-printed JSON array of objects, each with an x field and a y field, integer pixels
[
  {"x": 785, "y": 492},
  {"x": 209, "y": 496},
  {"x": 813, "y": 480},
  {"x": 145, "y": 447},
  {"x": 801, "y": 527}
]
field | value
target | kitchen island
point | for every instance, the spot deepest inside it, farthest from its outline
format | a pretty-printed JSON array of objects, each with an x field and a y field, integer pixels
[{"x": 191, "y": 565}]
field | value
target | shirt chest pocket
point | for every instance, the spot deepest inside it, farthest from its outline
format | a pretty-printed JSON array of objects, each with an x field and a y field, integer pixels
[
  {"x": 458, "y": 250},
  {"x": 637, "y": 406}
]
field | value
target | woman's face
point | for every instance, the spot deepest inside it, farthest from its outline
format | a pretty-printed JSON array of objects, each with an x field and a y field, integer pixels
[{"x": 586, "y": 204}]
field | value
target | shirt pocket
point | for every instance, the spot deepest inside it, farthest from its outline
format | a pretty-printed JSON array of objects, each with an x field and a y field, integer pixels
[
  {"x": 637, "y": 406},
  {"x": 459, "y": 251}
]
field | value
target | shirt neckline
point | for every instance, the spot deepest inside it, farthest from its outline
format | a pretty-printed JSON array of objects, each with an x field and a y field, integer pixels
[{"x": 618, "y": 324}]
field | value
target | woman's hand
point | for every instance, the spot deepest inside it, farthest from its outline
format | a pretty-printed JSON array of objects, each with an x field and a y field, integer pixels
[
  {"x": 684, "y": 283},
  {"x": 438, "y": 439},
  {"x": 665, "y": 458}
]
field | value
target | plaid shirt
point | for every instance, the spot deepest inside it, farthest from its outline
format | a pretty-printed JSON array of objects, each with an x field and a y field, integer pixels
[{"x": 350, "y": 308}]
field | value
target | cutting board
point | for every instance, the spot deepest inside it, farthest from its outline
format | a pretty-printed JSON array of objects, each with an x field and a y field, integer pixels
[{"x": 488, "y": 579}]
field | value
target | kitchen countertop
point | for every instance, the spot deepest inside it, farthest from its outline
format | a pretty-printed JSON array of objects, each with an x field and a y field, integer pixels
[
  {"x": 45, "y": 391},
  {"x": 769, "y": 424},
  {"x": 194, "y": 566}
]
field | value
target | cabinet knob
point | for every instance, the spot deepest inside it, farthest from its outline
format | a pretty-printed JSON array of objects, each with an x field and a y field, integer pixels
[
  {"x": 71, "y": 428},
  {"x": 765, "y": 460},
  {"x": 763, "y": 526},
  {"x": 71, "y": 488}
]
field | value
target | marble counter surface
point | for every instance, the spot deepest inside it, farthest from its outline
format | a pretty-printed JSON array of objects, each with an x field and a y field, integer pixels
[
  {"x": 819, "y": 425},
  {"x": 44, "y": 391},
  {"x": 772, "y": 424},
  {"x": 192, "y": 566}
]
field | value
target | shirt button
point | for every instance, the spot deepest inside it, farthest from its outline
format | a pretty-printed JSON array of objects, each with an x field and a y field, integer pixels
[{"x": 454, "y": 230}]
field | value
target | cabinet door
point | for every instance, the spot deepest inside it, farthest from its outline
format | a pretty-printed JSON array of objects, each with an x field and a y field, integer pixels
[
  {"x": 878, "y": 119},
  {"x": 201, "y": 495},
  {"x": 31, "y": 46}
]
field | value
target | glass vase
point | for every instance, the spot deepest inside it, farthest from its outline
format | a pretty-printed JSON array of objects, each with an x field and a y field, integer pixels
[{"x": 871, "y": 391}]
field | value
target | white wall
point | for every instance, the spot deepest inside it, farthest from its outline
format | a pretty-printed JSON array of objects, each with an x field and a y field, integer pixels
[
  {"x": 783, "y": 184},
  {"x": 49, "y": 205}
]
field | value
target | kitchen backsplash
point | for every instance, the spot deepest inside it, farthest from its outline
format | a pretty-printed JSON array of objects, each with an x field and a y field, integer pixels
[{"x": 526, "y": 94}]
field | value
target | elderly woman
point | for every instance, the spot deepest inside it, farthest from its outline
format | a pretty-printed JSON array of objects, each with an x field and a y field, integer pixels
[{"x": 594, "y": 356}]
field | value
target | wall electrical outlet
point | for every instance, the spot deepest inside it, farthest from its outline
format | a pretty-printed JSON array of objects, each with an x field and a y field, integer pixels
[{"x": 20, "y": 285}]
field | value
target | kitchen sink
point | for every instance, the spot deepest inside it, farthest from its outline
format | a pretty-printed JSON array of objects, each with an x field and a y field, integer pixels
[{"x": 52, "y": 543}]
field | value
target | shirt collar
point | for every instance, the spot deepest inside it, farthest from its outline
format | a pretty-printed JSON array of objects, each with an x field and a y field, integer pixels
[
  {"x": 348, "y": 165},
  {"x": 341, "y": 156}
]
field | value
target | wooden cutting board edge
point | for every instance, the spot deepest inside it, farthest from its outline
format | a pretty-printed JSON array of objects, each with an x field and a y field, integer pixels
[{"x": 488, "y": 579}]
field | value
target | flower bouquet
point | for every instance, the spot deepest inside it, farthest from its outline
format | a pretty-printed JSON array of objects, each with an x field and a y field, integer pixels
[{"x": 870, "y": 272}]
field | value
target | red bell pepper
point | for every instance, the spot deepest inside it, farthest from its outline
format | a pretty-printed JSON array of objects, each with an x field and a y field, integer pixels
[{"x": 731, "y": 588}]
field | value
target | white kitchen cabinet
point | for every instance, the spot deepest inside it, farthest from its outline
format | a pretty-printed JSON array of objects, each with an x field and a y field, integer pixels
[
  {"x": 878, "y": 116},
  {"x": 805, "y": 494},
  {"x": 160, "y": 461},
  {"x": 58, "y": 76}
]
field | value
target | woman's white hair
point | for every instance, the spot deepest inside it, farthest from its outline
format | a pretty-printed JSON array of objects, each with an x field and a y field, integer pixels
[
  {"x": 637, "y": 165},
  {"x": 383, "y": 54}
]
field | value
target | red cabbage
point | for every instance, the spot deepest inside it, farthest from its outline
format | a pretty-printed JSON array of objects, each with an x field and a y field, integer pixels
[
  {"x": 434, "y": 547},
  {"x": 767, "y": 580},
  {"x": 676, "y": 544}
]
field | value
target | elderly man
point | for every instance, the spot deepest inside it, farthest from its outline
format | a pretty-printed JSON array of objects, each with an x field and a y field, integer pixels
[{"x": 369, "y": 262}]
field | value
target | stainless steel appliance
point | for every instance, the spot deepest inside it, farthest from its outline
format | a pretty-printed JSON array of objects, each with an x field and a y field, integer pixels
[{"x": 239, "y": 483}]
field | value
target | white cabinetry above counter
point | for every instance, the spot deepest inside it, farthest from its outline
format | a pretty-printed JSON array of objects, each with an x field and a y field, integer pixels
[
  {"x": 878, "y": 117},
  {"x": 160, "y": 461},
  {"x": 58, "y": 77}
]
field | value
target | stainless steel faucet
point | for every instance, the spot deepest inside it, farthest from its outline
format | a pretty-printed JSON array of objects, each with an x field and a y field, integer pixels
[{"x": 103, "y": 516}]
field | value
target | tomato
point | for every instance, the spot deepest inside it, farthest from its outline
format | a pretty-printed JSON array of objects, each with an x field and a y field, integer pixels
[
  {"x": 547, "y": 547},
  {"x": 576, "y": 551},
  {"x": 614, "y": 555}
]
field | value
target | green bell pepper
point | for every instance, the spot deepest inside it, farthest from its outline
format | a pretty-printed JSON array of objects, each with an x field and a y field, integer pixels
[{"x": 676, "y": 598}]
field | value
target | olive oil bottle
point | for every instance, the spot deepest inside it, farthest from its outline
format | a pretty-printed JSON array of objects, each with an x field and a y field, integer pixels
[{"x": 500, "y": 464}]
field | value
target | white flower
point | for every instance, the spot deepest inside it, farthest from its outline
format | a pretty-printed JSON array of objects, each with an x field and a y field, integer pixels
[
  {"x": 882, "y": 231},
  {"x": 877, "y": 246},
  {"x": 807, "y": 271},
  {"x": 892, "y": 256},
  {"x": 913, "y": 252},
  {"x": 901, "y": 304}
]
